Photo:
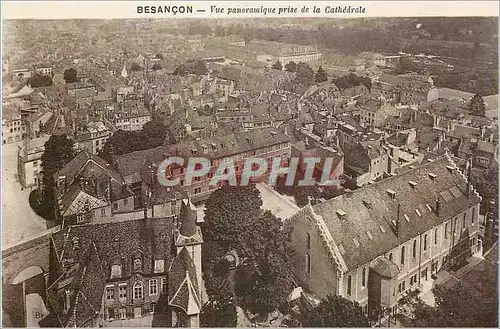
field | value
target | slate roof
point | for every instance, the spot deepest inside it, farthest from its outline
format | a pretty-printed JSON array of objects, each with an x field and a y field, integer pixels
[
  {"x": 76, "y": 165},
  {"x": 383, "y": 209}
]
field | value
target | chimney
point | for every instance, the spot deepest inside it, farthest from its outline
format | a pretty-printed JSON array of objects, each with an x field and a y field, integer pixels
[{"x": 438, "y": 207}]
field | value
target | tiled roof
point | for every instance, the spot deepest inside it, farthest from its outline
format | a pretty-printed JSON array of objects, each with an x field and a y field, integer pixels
[
  {"x": 226, "y": 145},
  {"x": 386, "y": 268},
  {"x": 383, "y": 209},
  {"x": 79, "y": 162},
  {"x": 85, "y": 282}
]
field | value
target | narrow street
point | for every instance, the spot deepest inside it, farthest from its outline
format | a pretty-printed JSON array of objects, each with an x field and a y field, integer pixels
[{"x": 19, "y": 221}]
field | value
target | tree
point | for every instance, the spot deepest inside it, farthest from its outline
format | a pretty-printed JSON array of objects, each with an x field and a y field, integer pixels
[
  {"x": 320, "y": 75},
  {"x": 154, "y": 134},
  {"x": 70, "y": 75},
  {"x": 156, "y": 66},
  {"x": 58, "y": 152},
  {"x": 335, "y": 311},
  {"x": 135, "y": 67},
  {"x": 476, "y": 105},
  {"x": 291, "y": 66},
  {"x": 38, "y": 80},
  {"x": 277, "y": 66},
  {"x": 305, "y": 74},
  {"x": 234, "y": 221},
  {"x": 181, "y": 70},
  {"x": 221, "y": 310}
]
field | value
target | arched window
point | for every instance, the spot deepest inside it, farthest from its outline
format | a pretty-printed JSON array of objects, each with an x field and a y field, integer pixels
[
  {"x": 363, "y": 278},
  {"x": 414, "y": 250},
  {"x": 425, "y": 242},
  {"x": 402, "y": 255},
  {"x": 308, "y": 264},
  {"x": 308, "y": 241},
  {"x": 436, "y": 236},
  {"x": 116, "y": 271},
  {"x": 138, "y": 290},
  {"x": 349, "y": 283}
]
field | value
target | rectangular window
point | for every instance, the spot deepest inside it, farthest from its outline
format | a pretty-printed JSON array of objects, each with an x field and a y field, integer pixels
[
  {"x": 473, "y": 213},
  {"x": 123, "y": 313},
  {"x": 115, "y": 206},
  {"x": 122, "y": 290},
  {"x": 197, "y": 190},
  {"x": 403, "y": 287},
  {"x": 80, "y": 217},
  {"x": 35, "y": 163},
  {"x": 110, "y": 293},
  {"x": 163, "y": 285},
  {"x": 103, "y": 212},
  {"x": 125, "y": 202},
  {"x": 152, "y": 308},
  {"x": 153, "y": 287},
  {"x": 463, "y": 221}
]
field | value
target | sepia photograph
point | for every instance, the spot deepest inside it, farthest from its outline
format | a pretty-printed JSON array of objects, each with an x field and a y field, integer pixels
[{"x": 250, "y": 172}]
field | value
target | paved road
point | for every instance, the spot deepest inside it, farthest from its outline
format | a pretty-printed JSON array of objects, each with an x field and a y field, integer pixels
[{"x": 19, "y": 221}]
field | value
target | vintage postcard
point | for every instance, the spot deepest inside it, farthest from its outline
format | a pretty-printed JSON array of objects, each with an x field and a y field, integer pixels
[{"x": 249, "y": 164}]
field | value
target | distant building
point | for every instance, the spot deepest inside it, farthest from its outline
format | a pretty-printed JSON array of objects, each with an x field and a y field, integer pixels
[
  {"x": 298, "y": 56},
  {"x": 375, "y": 113},
  {"x": 130, "y": 115},
  {"x": 92, "y": 137},
  {"x": 376, "y": 243}
]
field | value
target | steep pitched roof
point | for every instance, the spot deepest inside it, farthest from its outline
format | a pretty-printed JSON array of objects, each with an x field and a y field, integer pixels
[{"x": 372, "y": 209}]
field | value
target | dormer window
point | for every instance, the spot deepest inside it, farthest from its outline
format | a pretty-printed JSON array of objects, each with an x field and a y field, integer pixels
[
  {"x": 116, "y": 271},
  {"x": 341, "y": 214}
]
